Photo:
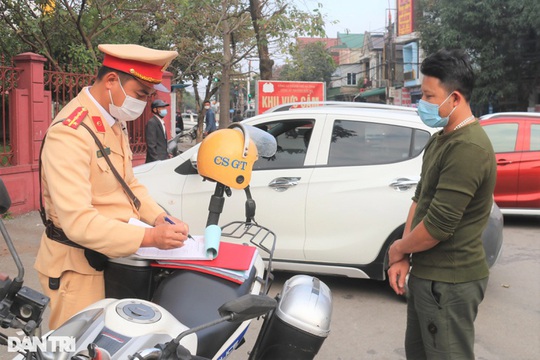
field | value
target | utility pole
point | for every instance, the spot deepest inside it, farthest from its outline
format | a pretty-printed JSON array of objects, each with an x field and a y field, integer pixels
[
  {"x": 389, "y": 52},
  {"x": 225, "y": 86},
  {"x": 249, "y": 84}
]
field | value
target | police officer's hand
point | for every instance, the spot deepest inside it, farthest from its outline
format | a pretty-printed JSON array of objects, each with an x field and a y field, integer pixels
[
  {"x": 166, "y": 234},
  {"x": 163, "y": 218}
]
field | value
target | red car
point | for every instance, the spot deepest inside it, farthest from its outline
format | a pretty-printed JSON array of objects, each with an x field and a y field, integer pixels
[{"x": 516, "y": 139}]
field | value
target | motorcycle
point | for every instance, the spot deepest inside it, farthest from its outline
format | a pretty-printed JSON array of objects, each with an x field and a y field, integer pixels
[
  {"x": 181, "y": 136},
  {"x": 161, "y": 312}
]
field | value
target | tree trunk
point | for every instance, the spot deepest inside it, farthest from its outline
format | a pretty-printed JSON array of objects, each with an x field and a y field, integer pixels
[
  {"x": 200, "y": 111},
  {"x": 266, "y": 64}
]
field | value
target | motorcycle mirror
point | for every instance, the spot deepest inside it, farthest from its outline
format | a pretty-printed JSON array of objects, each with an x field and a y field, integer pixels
[
  {"x": 5, "y": 204},
  {"x": 243, "y": 308},
  {"x": 247, "y": 307},
  {"x": 20, "y": 302},
  {"x": 172, "y": 145},
  {"x": 5, "y": 200}
]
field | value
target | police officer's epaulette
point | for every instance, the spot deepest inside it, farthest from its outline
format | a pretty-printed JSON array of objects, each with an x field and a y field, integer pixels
[{"x": 76, "y": 117}]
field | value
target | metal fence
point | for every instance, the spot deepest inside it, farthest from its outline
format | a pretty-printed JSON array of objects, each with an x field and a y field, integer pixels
[
  {"x": 8, "y": 82},
  {"x": 63, "y": 86}
]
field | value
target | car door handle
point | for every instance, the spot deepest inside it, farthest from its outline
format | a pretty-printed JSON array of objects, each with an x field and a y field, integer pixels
[
  {"x": 504, "y": 162},
  {"x": 283, "y": 183},
  {"x": 403, "y": 184}
]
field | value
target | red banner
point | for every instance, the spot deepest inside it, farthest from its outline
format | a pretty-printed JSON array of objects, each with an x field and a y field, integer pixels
[{"x": 272, "y": 93}]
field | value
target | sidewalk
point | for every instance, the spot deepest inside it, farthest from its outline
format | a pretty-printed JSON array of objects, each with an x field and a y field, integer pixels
[{"x": 186, "y": 144}]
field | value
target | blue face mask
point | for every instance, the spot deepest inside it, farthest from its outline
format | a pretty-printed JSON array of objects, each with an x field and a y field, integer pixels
[
  {"x": 163, "y": 112},
  {"x": 429, "y": 113}
]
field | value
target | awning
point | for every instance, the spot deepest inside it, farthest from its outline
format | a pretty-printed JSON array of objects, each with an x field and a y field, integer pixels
[
  {"x": 372, "y": 92},
  {"x": 332, "y": 93}
]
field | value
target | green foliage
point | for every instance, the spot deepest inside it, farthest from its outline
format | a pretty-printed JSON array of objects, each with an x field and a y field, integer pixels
[
  {"x": 284, "y": 22},
  {"x": 9, "y": 44},
  {"x": 68, "y": 31},
  {"x": 5, "y": 155},
  {"x": 310, "y": 62},
  {"x": 188, "y": 102},
  {"x": 502, "y": 38},
  {"x": 81, "y": 59}
]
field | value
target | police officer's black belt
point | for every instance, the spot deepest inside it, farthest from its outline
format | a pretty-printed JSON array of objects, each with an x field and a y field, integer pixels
[
  {"x": 55, "y": 233},
  {"x": 95, "y": 259}
]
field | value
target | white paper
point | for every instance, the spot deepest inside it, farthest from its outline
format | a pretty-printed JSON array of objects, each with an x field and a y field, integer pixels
[
  {"x": 134, "y": 221},
  {"x": 193, "y": 249}
]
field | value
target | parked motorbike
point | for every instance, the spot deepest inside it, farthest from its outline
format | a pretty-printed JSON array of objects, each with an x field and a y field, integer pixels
[
  {"x": 181, "y": 136},
  {"x": 163, "y": 312}
]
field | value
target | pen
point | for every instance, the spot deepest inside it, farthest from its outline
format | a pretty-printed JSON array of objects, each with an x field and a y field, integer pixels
[{"x": 172, "y": 223}]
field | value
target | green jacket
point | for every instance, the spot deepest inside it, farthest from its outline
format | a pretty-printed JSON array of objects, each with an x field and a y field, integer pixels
[{"x": 454, "y": 199}]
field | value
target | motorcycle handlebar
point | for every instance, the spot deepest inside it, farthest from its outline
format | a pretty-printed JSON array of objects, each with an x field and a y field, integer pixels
[{"x": 147, "y": 354}]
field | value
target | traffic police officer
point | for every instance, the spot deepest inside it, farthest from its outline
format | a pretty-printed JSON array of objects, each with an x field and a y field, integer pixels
[{"x": 86, "y": 206}]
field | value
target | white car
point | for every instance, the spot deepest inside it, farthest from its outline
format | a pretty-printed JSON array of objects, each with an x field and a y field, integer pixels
[
  {"x": 190, "y": 120},
  {"x": 336, "y": 193}
]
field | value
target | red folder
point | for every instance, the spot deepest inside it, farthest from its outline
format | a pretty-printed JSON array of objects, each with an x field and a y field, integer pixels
[
  {"x": 230, "y": 256},
  {"x": 231, "y": 276}
]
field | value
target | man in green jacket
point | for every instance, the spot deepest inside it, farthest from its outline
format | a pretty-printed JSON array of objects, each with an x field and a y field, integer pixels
[{"x": 441, "y": 244}]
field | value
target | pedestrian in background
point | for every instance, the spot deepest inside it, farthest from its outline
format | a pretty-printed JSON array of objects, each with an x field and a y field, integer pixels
[
  {"x": 89, "y": 190},
  {"x": 156, "y": 133},
  {"x": 237, "y": 116},
  {"x": 209, "y": 119},
  {"x": 179, "y": 122},
  {"x": 441, "y": 245}
]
